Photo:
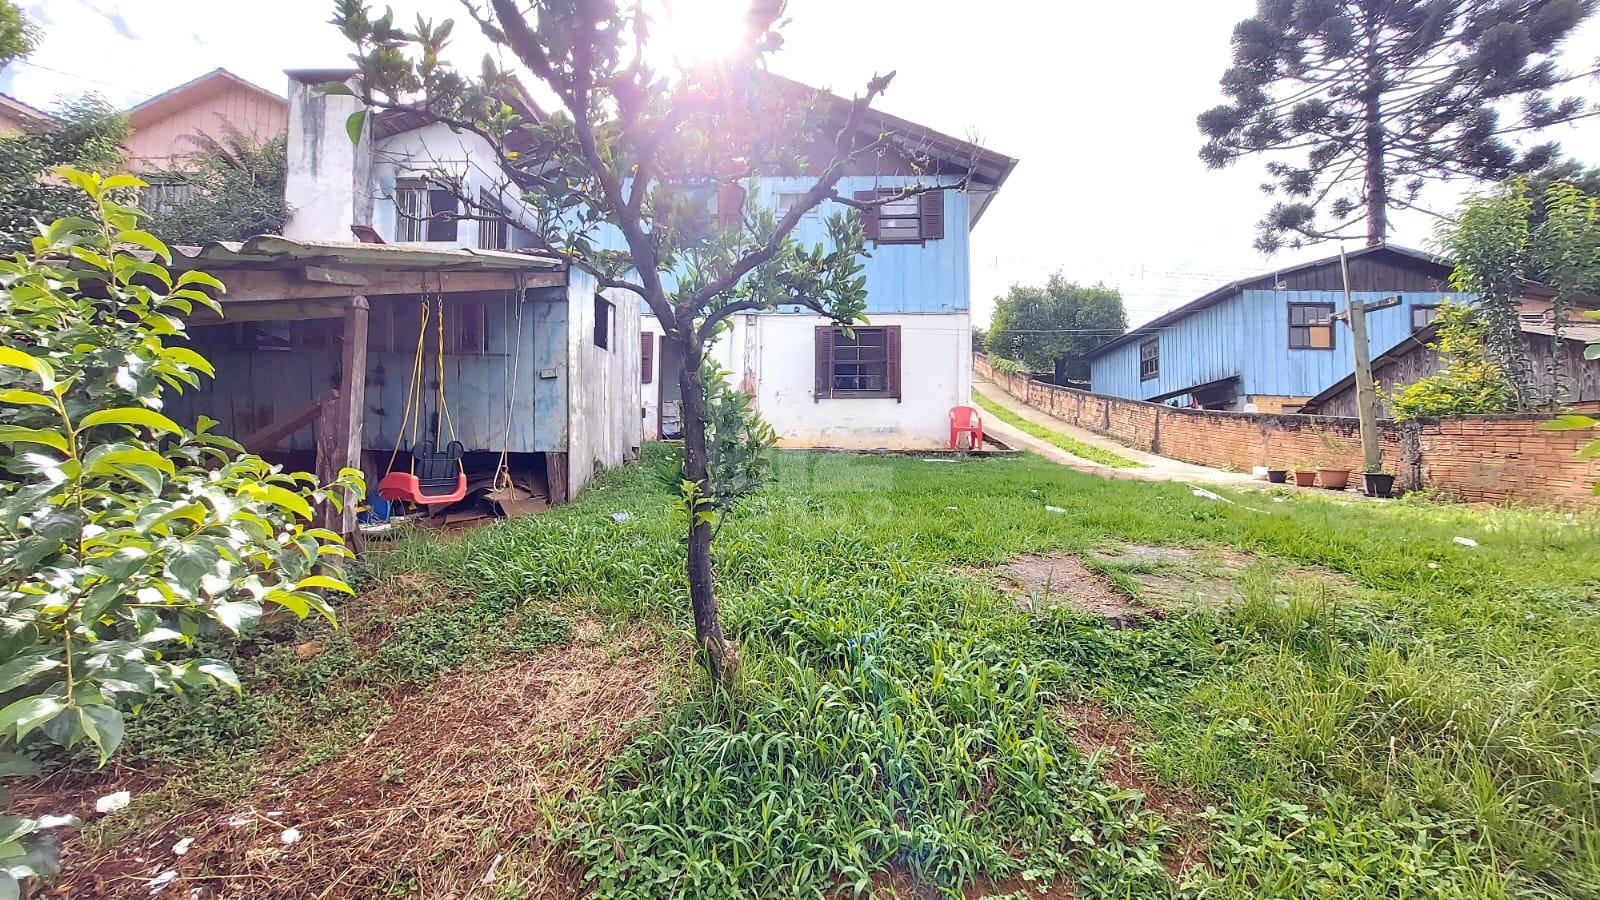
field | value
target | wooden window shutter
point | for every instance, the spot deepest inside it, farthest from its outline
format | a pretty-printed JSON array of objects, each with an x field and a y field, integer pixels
[
  {"x": 933, "y": 216},
  {"x": 869, "y": 216},
  {"x": 647, "y": 357},
  {"x": 824, "y": 374},
  {"x": 730, "y": 205},
  {"x": 891, "y": 342}
]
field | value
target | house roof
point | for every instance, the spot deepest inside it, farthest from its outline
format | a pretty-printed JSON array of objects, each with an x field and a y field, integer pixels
[
  {"x": 989, "y": 168},
  {"x": 1579, "y": 332},
  {"x": 1222, "y": 293},
  {"x": 269, "y": 250},
  {"x": 22, "y": 110},
  {"x": 190, "y": 93}
]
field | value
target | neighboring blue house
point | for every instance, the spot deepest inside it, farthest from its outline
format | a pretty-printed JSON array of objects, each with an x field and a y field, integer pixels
[{"x": 1270, "y": 343}]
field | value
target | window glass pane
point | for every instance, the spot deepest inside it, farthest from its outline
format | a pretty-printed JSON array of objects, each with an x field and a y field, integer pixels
[
  {"x": 912, "y": 233},
  {"x": 861, "y": 361}
]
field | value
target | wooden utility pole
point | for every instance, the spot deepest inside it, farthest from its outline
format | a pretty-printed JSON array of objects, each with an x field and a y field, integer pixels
[{"x": 1364, "y": 389}]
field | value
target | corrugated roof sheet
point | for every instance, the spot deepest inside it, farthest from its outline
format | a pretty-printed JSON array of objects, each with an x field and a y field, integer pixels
[{"x": 263, "y": 251}]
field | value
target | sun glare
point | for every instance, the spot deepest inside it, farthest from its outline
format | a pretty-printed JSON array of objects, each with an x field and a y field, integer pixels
[{"x": 689, "y": 32}]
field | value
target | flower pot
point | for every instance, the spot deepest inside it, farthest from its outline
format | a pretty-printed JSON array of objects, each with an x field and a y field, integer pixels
[
  {"x": 1277, "y": 476},
  {"x": 1305, "y": 479},
  {"x": 1379, "y": 484},
  {"x": 1333, "y": 479}
]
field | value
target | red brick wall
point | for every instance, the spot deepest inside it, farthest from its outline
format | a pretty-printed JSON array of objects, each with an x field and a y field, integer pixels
[{"x": 1477, "y": 459}]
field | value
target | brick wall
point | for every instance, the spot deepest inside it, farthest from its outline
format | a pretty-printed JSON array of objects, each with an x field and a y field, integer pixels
[{"x": 1477, "y": 459}]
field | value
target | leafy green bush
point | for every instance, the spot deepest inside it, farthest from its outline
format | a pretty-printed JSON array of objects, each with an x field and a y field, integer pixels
[
  {"x": 1005, "y": 366},
  {"x": 124, "y": 536},
  {"x": 237, "y": 194},
  {"x": 1471, "y": 383}
]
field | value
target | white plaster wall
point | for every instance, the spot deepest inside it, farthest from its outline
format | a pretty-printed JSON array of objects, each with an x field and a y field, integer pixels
[
  {"x": 650, "y": 394},
  {"x": 327, "y": 175},
  {"x": 435, "y": 148},
  {"x": 773, "y": 356},
  {"x": 602, "y": 384}
]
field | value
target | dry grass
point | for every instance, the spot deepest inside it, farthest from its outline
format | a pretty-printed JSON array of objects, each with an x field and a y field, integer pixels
[
  {"x": 1042, "y": 581},
  {"x": 440, "y": 801}
]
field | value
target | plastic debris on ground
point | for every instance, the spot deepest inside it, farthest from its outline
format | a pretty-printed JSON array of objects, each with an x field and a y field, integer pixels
[
  {"x": 1466, "y": 541},
  {"x": 290, "y": 835},
  {"x": 182, "y": 847},
  {"x": 113, "y": 802},
  {"x": 158, "y": 883},
  {"x": 620, "y": 517},
  {"x": 1053, "y": 509}
]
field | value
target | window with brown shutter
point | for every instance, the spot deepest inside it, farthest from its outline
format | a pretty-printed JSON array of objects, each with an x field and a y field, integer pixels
[
  {"x": 862, "y": 364},
  {"x": 1311, "y": 326},
  {"x": 904, "y": 220},
  {"x": 424, "y": 212},
  {"x": 602, "y": 322},
  {"x": 1150, "y": 359},
  {"x": 647, "y": 357}
]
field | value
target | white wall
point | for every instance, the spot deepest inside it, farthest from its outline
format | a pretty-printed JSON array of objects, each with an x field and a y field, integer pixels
[
  {"x": 327, "y": 176},
  {"x": 435, "y": 148},
  {"x": 773, "y": 356},
  {"x": 602, "y": 384}
]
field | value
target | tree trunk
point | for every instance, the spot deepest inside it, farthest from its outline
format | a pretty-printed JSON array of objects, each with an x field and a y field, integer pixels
[
  {"x": 1376, "y": 187},
  {"x": 721, "y": 654}
]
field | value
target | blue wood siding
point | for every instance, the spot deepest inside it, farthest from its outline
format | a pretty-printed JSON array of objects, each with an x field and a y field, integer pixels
[
  {"x": 933, "y": 277},
  {"x": 254, "y": 388},
  {"x": 1247, "y": 337}
]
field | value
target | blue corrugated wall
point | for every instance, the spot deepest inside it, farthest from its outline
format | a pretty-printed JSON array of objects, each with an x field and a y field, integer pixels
[
  {"x": 1247, "y": 336},
  {"x": 257, "y": 387}
]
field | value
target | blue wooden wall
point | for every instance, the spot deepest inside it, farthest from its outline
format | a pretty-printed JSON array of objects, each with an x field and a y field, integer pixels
[
  {"x": 1247, "y": 336},
  {"x": 901, "y": 278},
  {"x": 254, "y": 388}
]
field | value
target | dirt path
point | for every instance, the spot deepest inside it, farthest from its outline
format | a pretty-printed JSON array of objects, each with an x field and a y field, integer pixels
[{"x": 1151, "y": 468}]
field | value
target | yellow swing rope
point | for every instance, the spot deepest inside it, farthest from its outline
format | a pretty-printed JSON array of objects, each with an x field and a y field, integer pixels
[
  {"x": 411, "y": 418},
  {"x": 444, "y": 406}
]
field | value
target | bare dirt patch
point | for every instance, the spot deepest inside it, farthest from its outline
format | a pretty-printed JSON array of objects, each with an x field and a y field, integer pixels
[
  {"x": 449, "y": 796},
  {"x": 1142, "y": 554},
  {"x": 1044, "y": 581},
  {"x": 1097, "y": 729}
]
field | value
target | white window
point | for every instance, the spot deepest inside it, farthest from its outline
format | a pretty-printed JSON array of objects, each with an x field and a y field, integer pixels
[
  {"x": 900, "y": 221},
  {"x": 788, "y": 200},
  {"x": 424, "y": 212}
]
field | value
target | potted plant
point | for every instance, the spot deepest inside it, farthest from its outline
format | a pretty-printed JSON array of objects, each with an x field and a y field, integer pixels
[
  {"x": 1379, "y": 481},
  {"x": 1334, "y": 478},
  {"x": 1277, "y": 474},
  {"x": 1304, "y": 477}
]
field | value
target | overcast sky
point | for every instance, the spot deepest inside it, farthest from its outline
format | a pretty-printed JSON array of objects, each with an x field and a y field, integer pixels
[{"x": 1097, "y": 100}]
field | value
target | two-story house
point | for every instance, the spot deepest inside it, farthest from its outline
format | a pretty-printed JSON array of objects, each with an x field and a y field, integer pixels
[
  {"x": 1271, "y": 342},
  {"x": 892, "y": 382}
]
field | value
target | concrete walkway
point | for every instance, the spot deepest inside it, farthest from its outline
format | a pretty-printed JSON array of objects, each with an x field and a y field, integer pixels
[{"x": 1152, "y": 467}]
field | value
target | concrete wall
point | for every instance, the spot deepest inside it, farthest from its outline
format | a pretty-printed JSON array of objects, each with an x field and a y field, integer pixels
[
  {"x": 602, "y": 383},
  {"x": 1247, "y": 337},
  {"x": 1491, "y": 459},
  {"x": 773, "y": 357},
  {"x": 327, "y": 185}
]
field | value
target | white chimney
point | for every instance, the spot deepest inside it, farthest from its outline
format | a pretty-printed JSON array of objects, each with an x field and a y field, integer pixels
[{"x": 328, "y": 186}]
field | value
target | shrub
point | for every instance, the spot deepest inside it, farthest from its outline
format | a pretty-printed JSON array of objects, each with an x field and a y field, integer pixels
[
  {"x": 124, "y": 536},
  {"x": 1471, "y": 383},
  {"x": 1003, "y": 366}
]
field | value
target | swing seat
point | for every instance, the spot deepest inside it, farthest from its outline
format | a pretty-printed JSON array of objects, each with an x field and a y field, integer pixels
[{"x": 435, "y": 477}]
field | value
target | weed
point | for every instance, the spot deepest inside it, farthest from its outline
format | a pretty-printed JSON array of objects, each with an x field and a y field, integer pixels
[{"x": 1080, "y": 449}]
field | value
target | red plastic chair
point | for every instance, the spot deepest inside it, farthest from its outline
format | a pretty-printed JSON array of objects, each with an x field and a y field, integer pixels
[
  {"x": 405, "y": 486},
  {"x": 964, "y": 420}
]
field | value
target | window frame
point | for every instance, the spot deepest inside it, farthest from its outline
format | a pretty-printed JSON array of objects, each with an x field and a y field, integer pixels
[
  {"x": 416, "y": 224},
  {"x": 827, "y": 356},
  {"x": 1154, "y": 370},
  {"x": 1329, "y": 323},
  {"x": 604, "y": 313},
  {"x": 884, "y": 215},
  {"x": 1419, "y": 307},
  {"x": 497, "y": 228}
]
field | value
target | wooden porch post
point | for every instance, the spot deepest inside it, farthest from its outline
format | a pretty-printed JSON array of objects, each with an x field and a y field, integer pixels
[{"x": 339, "y": 438}]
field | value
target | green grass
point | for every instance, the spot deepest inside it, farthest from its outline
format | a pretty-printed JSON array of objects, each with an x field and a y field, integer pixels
[
  {"x": 1428, "y": 726},
  {"x": 1072, "y": 445}
]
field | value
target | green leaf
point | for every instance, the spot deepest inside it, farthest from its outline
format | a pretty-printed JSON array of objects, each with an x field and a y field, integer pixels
[
  {"x": 25, "y": 668},
  {"x": 103, "y": 725},
  {"x": 11, "y": 356},
  {"x": 133, "y": 456},
  {"x": 334, "y": 89},
  {"x": 122, "y": 181},
  {"x": 19, "y": 397},
  {"x": 15, "y": 765},
  {"x": 29, "y": 713},
  {"x": 221, "y": 671},
  {"x": 233, "y": 616},
  {"x": 1590, "y": 450},
  {"x": 325, "y": 582},
  {"x": 183, "y": 356},
  {"x": 130, "y": 415},
  {"x": 291, "y": 601},
  {"x": 284, "y": 498},
  {"x": 194, "y": 276},
  {"x": 1570, "y": 423},
  {"x": 16, "y": 434},
  {"x": 354, "y": 124},
  {"x": 146, "y": 240}
]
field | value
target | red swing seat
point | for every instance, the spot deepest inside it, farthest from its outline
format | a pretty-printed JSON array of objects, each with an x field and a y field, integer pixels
[
  {"x": 433, "y": 486},
  {"x": 405, "y": 486}
]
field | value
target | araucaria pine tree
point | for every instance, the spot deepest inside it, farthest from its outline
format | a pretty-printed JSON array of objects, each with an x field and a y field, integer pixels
[
  {"x": 620, "y": 180},
  {"x": 1358, "y": 104}
]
